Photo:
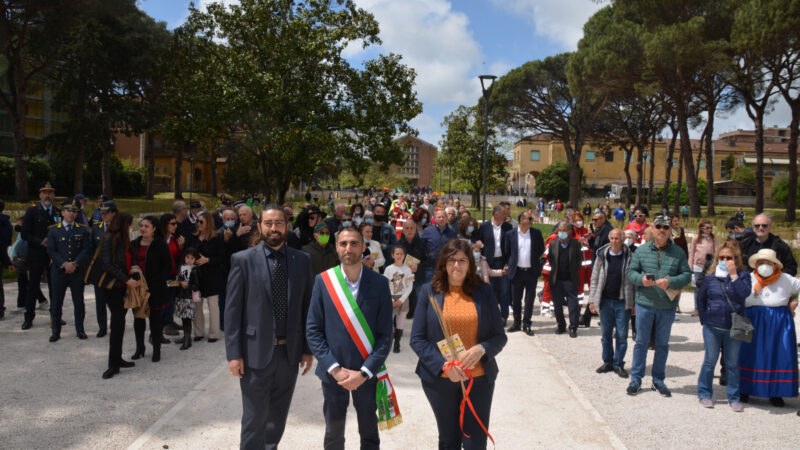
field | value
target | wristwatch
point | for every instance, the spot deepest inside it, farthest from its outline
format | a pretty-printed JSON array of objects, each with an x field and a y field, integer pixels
[{"x": 365, "y": 374}]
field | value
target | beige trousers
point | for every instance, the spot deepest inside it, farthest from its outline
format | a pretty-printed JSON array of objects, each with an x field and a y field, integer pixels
[{"x": 199, "y": 323}]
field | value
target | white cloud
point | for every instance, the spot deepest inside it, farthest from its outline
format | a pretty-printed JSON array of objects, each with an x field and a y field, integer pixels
[
  {"x": 781, "y": 115},
  {"x": 559, "y": 21},
  {"x": 436, "y": 41}
]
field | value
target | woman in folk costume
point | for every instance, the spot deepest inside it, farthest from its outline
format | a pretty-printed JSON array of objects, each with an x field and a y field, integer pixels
[
  {"x": 400, "y": 214},
  {"x": 768, "y": 364},
  {"x": 640, "y": 226}
]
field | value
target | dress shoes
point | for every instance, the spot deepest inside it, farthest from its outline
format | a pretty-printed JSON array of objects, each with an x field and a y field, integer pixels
[
  {"x": 198, "y": 338},
  {"x": 26, "y": 325},
  {"x": 212, "y": 340},
  {"x": 514, "y": 327},
  {"x": 54, "y": 337},
  {"x": 101, "y": 333},
  {"x": 560, "y": 330},
  {"x": 573, "y": 333},
  {"x": 527, "y": 330},
  {"x": 138, "y": 354},
  {"x": 63, "y": 322},
  {"x": 110, "y": 372},
  {"x": 82, "y": 335},
  {"x": 744, "y": 398},
  {"x": 126, "y": 364},
  {"x": 605, "y": 368},
  {"x": 777, "y": 401},
  {"x": 621, "y": 372}
]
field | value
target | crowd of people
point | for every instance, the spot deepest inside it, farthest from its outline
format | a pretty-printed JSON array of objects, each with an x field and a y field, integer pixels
[{"x": 340, "y": 285}]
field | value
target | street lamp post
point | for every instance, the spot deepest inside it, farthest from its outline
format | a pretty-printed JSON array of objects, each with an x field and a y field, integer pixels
[{"x": 487, "y": 92}]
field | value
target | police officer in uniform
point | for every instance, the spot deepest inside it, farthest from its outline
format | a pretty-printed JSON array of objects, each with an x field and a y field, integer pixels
[
  {"x": 68, "y": 247},
  {"x": 34, "y": 230},
  {"x": 107, "y": 210}
]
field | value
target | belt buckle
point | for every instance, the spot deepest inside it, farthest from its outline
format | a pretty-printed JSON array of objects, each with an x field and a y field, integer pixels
[{"x": 276, "y": 342}]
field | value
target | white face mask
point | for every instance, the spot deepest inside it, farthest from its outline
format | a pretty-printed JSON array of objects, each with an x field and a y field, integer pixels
[
  {"x": 629, "y": 242},
  {"x": 579, "y": 224},
  {"x": 765, "y": 270}
]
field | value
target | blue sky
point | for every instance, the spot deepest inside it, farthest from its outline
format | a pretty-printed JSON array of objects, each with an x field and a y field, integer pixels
[{"x": 449, "y": 43}]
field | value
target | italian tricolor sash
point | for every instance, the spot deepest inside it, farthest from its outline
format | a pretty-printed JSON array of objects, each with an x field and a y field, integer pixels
[{"x": 356, "y": 324}]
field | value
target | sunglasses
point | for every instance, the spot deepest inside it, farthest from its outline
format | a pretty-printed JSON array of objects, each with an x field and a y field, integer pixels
[
  {"x": 706, "y": 228},
  {"x": 725, "y": 258},
  {"x": 595, "y": 219},
  {"x": 760, "y": 225},
  {"x": 636, "y": 216},
  {"x": 662, "y": 227}
]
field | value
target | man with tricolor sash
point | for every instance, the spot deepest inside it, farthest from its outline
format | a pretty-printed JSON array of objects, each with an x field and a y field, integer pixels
[{"x": 349, "y": 331}]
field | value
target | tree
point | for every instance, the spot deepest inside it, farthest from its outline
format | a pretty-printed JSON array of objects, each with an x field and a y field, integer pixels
[
  {"x": 30, "y": 34},
  {"x": 552, "y": 182},
  {"x": 537, "y": 97},
  {"x": 299, "y": 104},
  {"x": 727, "y": 166},
  {"x": 463, "y": 140},
  {"x": 780, "y": 190},
  {"x": 744, "y": 174}
]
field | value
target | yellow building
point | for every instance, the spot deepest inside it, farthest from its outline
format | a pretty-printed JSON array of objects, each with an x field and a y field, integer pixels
[
  {"x": 605, "y": 169},
  {"x": 41, "y": 119}
]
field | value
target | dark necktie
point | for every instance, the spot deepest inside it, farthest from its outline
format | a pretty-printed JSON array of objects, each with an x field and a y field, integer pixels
[
  {"x": 69, "y": 227},
  {"x": 280, "y": 292}
]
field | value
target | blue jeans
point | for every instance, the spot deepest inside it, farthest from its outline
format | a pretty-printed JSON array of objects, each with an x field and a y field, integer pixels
[
  {"x": 502, "y": 290},
  {"x": 613, "y": 315},
  {"x": 646, "y": 320},
  {"x": 713, "y": 338}
]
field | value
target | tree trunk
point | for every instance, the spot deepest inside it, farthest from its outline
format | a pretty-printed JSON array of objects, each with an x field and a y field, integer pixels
[
  {"x": 77, "y": 184},
  {"x": 575, "y": 179},
  {"x": 668, "y": 175},
  {"x": 105, "y": 171},
  {"x": 179, "y": 170},
  {"x": 213, "y": 164},
  {"x": 759, "y": 147},
  {"x": 20, "y": 153},
  {"x": 677, "y": 210},
  {"x": 651, "y": 185},
  {"x": 628, "y": 180},
  {"x": 710, "y": 162},
  {"x": 639, "y": 174},
  {"x": 686, "y": 152},
  {"x": 794, "y": 133},
  {"x": 151, "y": 166}
]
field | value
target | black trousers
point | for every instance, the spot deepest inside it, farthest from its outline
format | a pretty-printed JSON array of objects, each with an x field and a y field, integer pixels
[
  {"x": 115, "y": 302},
  {"x": 266, "y": 397},
  {"x": 524, "y": 280},
  {"x": 100, "y": 307},
  {"x": 60, "y": 280},
  {"x": 445, "y": 399},
  {"x": 22, "y": 290},
  {"x": 35, "y": 268},
  {"x": 565, "y": 294},
  {"x": 336, "y": 401},
  {"x": 155, "y": 330}
]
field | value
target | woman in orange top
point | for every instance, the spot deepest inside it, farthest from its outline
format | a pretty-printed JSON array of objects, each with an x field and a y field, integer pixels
[{"x": 470, "y": 310}]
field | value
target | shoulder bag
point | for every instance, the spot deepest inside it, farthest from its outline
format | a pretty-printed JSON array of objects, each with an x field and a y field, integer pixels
[
  {"x": 94, "y": 272},
  {"x": 741, "y": 327}
]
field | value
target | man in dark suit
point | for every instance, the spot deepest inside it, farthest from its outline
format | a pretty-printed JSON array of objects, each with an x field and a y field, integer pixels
[
  {"x": 524, "y": 248},
  {"x": 37, "y": 220},
  {"x": 564, "y": 255},
  {"x": 492, "y": 233},
  {"x": 341, "y": 364},
  {"x": 68, "y": 247},
  {"x": 266, "y": 304}
]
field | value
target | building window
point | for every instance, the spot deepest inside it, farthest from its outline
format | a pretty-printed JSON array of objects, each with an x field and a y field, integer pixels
[
  {"x": 589, "y": 156},
  {"x": 534, "y": 155},
  {"x": 198, "y": 174},
  {"x": 702, "y": 163},
  {"x": 675, "y": 162},
  {"x": 609, "y": 156}
]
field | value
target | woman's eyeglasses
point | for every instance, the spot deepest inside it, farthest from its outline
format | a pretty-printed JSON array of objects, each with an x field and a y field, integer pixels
[{"x": 725, "y": 258}]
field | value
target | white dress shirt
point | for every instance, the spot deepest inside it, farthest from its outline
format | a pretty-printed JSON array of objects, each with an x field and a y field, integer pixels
[
  {"x": 524, "y": 248},
  {"x": 498, "y": 231}
]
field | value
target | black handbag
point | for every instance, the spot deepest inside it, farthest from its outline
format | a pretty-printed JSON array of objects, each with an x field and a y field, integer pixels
[{"x": 741, "y": 327}]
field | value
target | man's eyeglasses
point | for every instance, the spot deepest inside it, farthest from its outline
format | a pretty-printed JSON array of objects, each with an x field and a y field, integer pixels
[
  {"x": 595, "y": 219},
  {"x": 760, "y": 225},
  {"x": 662, "y": 227}
]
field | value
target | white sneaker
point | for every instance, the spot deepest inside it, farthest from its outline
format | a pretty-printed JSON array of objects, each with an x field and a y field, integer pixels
[
  {"x": 18, "y": 310},
  {"x": 44, "y": 305}
]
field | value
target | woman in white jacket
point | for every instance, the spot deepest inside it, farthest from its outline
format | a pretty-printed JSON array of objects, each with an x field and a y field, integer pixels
[{"x": 373, "y": 256}]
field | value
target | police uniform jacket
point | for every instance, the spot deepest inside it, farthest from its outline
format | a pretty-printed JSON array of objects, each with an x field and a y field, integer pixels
[
  {"x": 68, "y": 246},
  {"x": 34, "y": 230}
]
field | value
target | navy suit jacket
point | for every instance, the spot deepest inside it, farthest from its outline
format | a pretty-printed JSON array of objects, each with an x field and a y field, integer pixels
[
  {"x": 512, "y": 250},
  {"x": 486, "y": 235},
  {"x": 426, "y": 332},
  {"x": 249, "y": 311},
  {"x": 328, "y": 337}
]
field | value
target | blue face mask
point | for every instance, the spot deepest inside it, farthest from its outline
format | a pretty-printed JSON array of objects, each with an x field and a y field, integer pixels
[
  {"x": 470, "y": 229},
  {"x": 562, "y": 235},
  {"x": 476, "y": 255},
  {"x": 369, "y": 220},
  {"x": 423, "y": 221},
  {"x": 230, "y": 224},
  {"x": 722, "y": 266},
  {"x": 347, "y": 223}
]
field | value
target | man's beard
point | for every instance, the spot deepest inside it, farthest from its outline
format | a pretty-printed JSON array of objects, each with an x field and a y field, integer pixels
[{"x": 273, "y": 239}]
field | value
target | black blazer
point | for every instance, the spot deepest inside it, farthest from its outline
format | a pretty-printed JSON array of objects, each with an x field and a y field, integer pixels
[
  {"x": 426, "y": 332},
  {"x": 573, "y": 252},
  {"x": 35, "y": 225},
  {"x": 212, "y": 273},
  {"x": 113, "y": 259},
  {"x": 250, "y": 314},
  {"x": 486, "y": 235},
  {"x": 512, "y": 250},
  {"x": 328, "y": 337},
  {"x": 157, "y": 267}
]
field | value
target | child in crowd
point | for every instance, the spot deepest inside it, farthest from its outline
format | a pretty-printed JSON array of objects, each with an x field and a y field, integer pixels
[
  {"x": 401, "y": 281},
  {"x": 188, "y": 292}
]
